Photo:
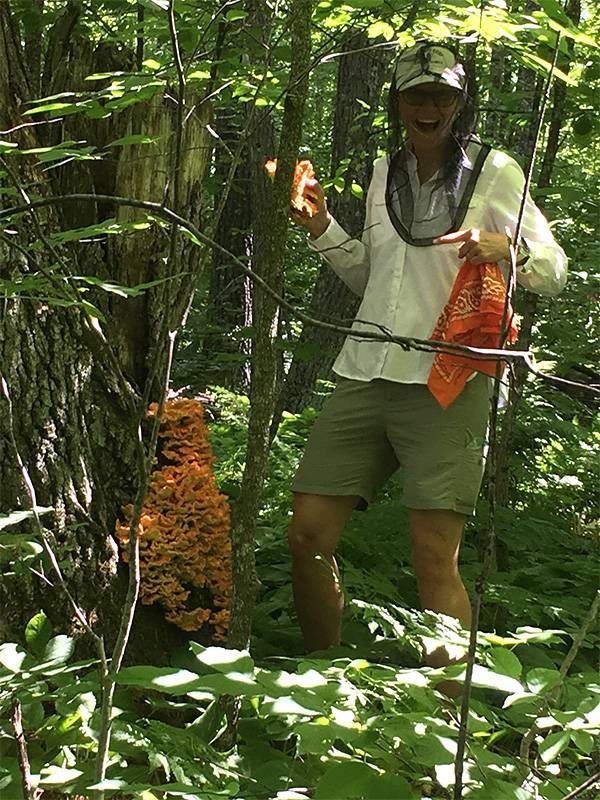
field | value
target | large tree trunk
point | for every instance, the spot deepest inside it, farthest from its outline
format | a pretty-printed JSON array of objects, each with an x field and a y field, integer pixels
[
  {"x": 74, "y": 419},
  {"x": 360, "y": 78}
]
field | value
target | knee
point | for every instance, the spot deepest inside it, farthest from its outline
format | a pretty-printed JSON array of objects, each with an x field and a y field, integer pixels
[
  {"x": 306, "y": 540},
  {"x": 434, "y": 565}
]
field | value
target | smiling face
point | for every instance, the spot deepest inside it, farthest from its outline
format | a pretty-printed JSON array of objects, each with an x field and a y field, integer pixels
[{"x": 427, "y": 112}]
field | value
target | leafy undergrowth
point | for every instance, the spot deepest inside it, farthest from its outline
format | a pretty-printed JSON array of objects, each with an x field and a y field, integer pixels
[
  {"x": 333, "y": 728},
  {"x": 364, "y": 722}
]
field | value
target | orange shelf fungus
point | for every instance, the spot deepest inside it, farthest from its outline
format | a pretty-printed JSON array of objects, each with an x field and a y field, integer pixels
[
  {"x": 303, "y": 173},
  {"x": 184, "y": 530}
]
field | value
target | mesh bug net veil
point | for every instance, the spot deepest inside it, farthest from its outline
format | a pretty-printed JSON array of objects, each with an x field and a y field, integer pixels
[{"x": 443, "y": 201}]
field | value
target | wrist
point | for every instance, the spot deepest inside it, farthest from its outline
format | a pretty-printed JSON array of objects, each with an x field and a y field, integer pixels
[{"x": 318, "y": 224}]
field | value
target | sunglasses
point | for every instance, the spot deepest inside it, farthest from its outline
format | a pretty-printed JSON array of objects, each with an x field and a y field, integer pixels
[{"x": 442, "y": 98}]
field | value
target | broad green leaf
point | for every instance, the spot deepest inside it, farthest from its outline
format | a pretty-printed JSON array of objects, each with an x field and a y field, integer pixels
[
  {"x": 553, "y": 9},
  {"x": 38, "y": 633},
  {"x": 223, "y": 659},
  {"x": 58, "y": 650},
  {"x": 58, "y": 776},
  {"x": 484, "y": 678},
  {"x": 236, "y": 13},
  {"x": 583, "y": 741},
  {"x": 209, "y": 722},
  {"x": 287, "y": 706},
  {"x": 381, "y": 29},
  {"x": 355, "y": 780},
  {"x": 18, "y": 516},
  {"x": 12, "y": 657},
  {"x": 494, "y": 789},
  {"x": 234, "y": 683},
  {"x": 199, "y": 75},
  {"x": 529, "y": 634},
  {"x": 162, "y": 679},
  {"x": 51, "y": 107},
  {"x": 553, "y": 745},
  {"x": 541, "y": 679},
  {"x": 163, "y": 5},
  {"x": 134, "y": 138},
  {"x": 505, "y": 662},
  {"x": 520, "y": 698}
]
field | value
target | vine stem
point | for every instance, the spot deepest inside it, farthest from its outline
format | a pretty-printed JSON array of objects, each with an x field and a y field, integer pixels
[
  {"x": 578, "y": 639},
  {"x": 481, "y": 582}
]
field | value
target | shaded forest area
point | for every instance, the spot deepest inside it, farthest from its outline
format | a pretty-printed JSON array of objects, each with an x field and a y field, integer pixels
[{"x": 166, "y": 341}]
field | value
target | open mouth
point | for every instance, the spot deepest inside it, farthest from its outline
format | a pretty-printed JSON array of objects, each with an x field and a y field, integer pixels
[{"x": 427, "y": 126}]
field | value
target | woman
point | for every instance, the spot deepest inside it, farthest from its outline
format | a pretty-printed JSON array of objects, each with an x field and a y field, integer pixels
[{"x": 438, "y": 198}]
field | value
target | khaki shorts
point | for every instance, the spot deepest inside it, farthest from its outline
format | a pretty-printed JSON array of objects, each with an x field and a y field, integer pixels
[{"x": 366, "y": 431}]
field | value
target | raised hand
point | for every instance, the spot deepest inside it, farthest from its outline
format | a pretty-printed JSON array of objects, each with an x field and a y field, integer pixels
[{"x": 319, "y": 221}]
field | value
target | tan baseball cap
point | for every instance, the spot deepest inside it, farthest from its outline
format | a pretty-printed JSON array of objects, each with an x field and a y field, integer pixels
[{"x": 428, "y": 62}]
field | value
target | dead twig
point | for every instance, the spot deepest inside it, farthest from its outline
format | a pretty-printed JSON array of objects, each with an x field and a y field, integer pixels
[{"x": 16, "y": 720}]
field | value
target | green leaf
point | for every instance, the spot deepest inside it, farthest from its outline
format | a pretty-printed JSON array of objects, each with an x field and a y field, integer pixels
[
  {"x": 486, "y": 679},
  {"x": 135, "y": 138},
  {"x": 583, "y": 741},
  {"x": 541, "y": 679},
  {"x": 162, "y": 679},
  {"x": 58, "y": 776},
  {"x": 58, "y": 650},
  {"x": 223, "y": 659},
  {"x": 209, "y": 723},
  {"x": 553, "y": 745},
  {"x": 505, "y": 662},
  {"x": 236, "y": 13},
  {"x": 494, "y": 789},
  {"x": 553, "y": 9},
  {"x": 38, "y": 633},
  {"x": 357, "y": 781},
  {"x": 12, "y": 657},
  {"x": 18, "y": 516},
  {"x": 381, "y": 29},
  {"x": 162, "y": 4}
]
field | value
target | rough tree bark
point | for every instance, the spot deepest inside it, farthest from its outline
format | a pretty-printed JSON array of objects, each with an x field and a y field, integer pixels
[
  {"x": 360, "y": 78},
  {"x": 73, "y": 427}
]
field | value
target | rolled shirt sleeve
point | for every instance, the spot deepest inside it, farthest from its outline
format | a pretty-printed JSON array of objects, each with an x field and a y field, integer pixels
[{"x": 545, "y": 271}]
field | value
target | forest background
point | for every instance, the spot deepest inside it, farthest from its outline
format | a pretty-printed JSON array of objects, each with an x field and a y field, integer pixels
[{"x": 137, "y": 228}]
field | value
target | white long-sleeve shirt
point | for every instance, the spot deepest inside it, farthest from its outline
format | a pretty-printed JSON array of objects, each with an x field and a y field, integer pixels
[{"x": 405, "y": 287}]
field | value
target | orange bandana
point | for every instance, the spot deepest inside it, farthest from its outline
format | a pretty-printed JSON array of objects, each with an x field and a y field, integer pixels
[{"x": 472, "y": 316}]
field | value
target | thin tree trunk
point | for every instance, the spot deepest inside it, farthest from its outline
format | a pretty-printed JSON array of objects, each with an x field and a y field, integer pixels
[
  {"x": 268, "y": 261},
  {"x": 528, "y": 308},
  {"x": 360, "y": 78}
]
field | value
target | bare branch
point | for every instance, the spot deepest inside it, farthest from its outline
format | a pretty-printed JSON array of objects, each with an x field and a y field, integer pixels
[
  {"x": 425, "y": 345},
  {"x": 16, "y": 719}
]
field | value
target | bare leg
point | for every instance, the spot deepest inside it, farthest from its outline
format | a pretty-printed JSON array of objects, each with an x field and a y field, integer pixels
[
  {"x": 435, "y": 541},
  {"x": 316, "y": 526}
]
